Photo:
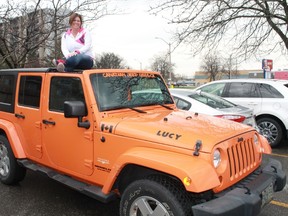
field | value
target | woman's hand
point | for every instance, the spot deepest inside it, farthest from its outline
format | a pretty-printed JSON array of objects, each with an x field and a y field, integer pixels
[{"x": 72, "y": 54}]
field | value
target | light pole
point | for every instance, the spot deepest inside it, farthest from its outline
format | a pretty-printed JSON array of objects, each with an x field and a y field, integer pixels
[{"x": 169, "y": 55}]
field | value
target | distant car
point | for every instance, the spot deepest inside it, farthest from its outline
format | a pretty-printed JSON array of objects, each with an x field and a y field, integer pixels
[
  {"x": 268, "y": 98},
  {"x": 202, "y": 102},
  {"x": 185, "y": 83}
]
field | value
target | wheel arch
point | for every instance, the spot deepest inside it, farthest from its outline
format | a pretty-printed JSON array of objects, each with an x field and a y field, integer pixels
[
  {"x": 8, "y": 130},
  {"x": 133, "y": 172},
  {"x": 276, "y": 119},
  {"x": 141, "y": 162}
]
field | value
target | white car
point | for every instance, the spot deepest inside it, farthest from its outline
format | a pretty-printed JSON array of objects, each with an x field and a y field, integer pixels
[
  {"x": 202, "y": 102},
  {"x": 268, "y": 98}
]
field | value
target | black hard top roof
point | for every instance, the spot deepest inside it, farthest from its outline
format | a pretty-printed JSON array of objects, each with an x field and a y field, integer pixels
[
  {"x": 33, "y": 70},
  {"x": 29, "y": 70}
]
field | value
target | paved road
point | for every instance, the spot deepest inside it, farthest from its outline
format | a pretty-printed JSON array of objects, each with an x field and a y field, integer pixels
[
  {"x": 279, "y": 205},
  {"x": 39, "y": 195}
]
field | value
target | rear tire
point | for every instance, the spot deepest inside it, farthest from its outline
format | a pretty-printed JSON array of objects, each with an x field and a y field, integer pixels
[
  {"x": 271, "y": 129},
  {"x": 158, "y": 195},
  {"x": 10, "y": 171}
]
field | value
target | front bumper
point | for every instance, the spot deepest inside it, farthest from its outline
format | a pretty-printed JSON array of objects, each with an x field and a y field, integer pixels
[{"x": 248, "y": 199}]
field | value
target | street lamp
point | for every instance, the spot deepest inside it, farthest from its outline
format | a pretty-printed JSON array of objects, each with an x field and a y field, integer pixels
[{"x": 169, "y": 55}]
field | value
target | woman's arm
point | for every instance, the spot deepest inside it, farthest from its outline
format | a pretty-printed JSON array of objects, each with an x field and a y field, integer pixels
[
  {"x": 87, "y": 43},
  {"x": 64, "y": 47}
]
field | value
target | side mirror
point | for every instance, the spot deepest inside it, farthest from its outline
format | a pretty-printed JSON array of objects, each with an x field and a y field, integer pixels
[{"x": 76, "y": 109}]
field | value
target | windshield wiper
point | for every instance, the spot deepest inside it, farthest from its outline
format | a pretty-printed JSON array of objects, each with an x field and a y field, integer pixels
[
  {"x": 135, "y": 109},
  {"x": 124, "y": 107},
  {"x": 163, "y": 105}
]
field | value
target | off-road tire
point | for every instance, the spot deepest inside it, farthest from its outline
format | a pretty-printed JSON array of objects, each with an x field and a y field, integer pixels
[
  {"x": 10, "y": 171},
  {"x": 167, "y": 194}
]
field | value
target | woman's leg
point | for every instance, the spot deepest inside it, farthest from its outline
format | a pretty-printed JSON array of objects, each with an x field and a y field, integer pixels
[
  {"x": 79, "y": 61},
  {"x": 86, "y": 62}
]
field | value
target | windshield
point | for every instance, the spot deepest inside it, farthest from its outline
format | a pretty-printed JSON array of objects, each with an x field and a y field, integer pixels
[
  {"x": 212, "y": 100},
  {"x": 128, "y": 90}
]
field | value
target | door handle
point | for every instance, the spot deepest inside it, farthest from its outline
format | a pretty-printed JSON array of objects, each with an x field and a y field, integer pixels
[
  {"x": 19, "y": 116},
  {"x": 48, "y": 122}
]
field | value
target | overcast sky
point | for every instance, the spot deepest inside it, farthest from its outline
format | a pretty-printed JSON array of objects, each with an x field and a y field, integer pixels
[{"x": 132, "y": 36}]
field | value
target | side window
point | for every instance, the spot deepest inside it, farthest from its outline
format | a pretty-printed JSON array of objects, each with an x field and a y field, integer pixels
[
  {"x": 182, "y": 104},
  {"x": 215, "y": 88},
  {"x": 7, "y": 88},
  {"x": 268, "y": 91},
  {"x": 64, "y": 89},
  {"x": 242, "y": 90},
  {"x": 29, "y": 91}
]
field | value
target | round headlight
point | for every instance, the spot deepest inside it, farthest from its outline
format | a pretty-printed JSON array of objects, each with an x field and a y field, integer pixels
[
  {"x": 216, "y": 158},
  {"x": 256, "y": 140}
]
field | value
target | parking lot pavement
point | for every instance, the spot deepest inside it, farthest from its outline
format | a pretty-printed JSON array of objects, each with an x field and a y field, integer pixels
[
  {"x": 279, "y": 205},
  {"x": 38, "y": 195}
]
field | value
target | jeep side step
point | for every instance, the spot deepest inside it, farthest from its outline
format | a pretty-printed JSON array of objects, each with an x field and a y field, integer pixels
[{"x": 92, "y": 191}]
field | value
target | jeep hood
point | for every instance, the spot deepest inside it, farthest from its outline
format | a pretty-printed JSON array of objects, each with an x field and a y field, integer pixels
[{"x": 175, "y": 128}]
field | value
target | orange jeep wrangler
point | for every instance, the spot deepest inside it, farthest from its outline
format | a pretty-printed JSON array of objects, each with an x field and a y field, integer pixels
[{"x": 118, "y": 134}]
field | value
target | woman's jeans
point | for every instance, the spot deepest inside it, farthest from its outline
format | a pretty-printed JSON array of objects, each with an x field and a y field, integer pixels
[{"x": 79, "y": 61}]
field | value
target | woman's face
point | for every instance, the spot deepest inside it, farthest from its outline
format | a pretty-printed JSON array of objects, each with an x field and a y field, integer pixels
[{"x": 76, "y": 24}]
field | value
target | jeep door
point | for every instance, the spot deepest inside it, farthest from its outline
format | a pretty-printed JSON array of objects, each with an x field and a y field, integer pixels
[
  {"x": 68, "y": 146},
  {"x": 28, "y": 112}
]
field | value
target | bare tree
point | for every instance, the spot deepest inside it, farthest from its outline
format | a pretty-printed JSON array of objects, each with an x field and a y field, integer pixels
[
  {"x": 110, "y": 60},
  {"x": 160, "y": 64},
  {"x": 212, "y": 65},
  {"x": 30, "y": 30},
  {"x": 245, "y": 27},
  {"x": 230, "y": 67}
]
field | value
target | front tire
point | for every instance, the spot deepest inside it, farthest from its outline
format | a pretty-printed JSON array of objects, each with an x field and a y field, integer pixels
[
  {"x": 159, "y": 195},
  {"x": 10, "y": 171},
  {"x": 271, "y": 130}
]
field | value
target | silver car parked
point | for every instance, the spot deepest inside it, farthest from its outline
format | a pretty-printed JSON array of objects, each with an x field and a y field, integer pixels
[{"x": 205, "y": 103}]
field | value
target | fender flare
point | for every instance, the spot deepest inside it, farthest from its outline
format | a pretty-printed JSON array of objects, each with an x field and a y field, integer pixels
[
  {"x": 175, "y": 164},
  {"x": 13, "y": 138}
]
